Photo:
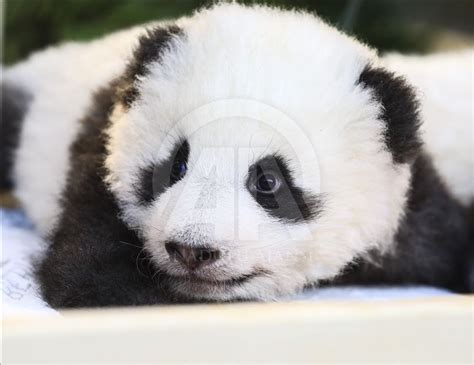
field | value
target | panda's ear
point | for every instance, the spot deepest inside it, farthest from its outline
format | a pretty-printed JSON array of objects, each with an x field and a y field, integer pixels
[
  {"x": 149, "y": 49},
  {"x": 400, "y": 111}
]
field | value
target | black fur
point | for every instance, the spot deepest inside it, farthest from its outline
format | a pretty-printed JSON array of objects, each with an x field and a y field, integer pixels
[
  {"x": 400, "y": 112},
  {"x": 470, "y": 260},
  {"x": 156, "y": 179},
  {"x": 14, "y": 105},
  {"x": 291, "y": 203},
  {"x": 94, "y": 259},
  {"x": 433, "y": 242},
  {"x": 150, "y": 49}
]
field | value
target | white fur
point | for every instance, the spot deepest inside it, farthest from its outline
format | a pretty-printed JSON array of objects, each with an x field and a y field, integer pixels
[{"x": 243, "y": 83}]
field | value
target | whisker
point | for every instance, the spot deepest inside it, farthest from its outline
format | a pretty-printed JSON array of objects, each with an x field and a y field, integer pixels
[
  {"x": 157, "y": 272},
  {"x": 266, "y": 149},
  {"x": 138, "y": 258},
  {"x": 130, "y": 244},
  {"x": 156, "y": 228}
]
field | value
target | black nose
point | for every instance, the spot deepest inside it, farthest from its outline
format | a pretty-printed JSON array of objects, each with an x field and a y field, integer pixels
[{"x": 191, "y": 257}]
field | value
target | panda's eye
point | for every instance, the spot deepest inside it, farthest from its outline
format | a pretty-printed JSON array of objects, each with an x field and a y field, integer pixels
[
  {"x": 267, "y": 182},
  {"x": 178, "y": 170}
]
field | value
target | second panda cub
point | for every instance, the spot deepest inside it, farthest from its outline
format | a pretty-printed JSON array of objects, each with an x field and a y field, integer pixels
[{"x": 239, "y": 154}]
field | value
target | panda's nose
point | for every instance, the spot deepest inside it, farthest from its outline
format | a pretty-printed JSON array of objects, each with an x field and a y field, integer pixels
[{"x": 191, "y": 257}]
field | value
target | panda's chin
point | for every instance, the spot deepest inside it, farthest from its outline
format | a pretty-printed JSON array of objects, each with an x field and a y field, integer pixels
[{"x": 193, "y": 286}]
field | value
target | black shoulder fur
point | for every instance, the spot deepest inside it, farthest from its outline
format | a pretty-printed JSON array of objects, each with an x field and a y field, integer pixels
[
  {"x": 433, "y": 245},
  {"x": 94, "y": 259}
]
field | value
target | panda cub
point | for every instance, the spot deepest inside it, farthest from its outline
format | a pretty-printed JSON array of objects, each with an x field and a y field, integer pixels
[{"x": 243, "y": 153}]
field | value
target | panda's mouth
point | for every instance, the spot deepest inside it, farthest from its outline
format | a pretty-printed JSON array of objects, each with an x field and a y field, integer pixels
[
  {"x": 194, "y": 287},
  {"x": 235, "y": 281}
]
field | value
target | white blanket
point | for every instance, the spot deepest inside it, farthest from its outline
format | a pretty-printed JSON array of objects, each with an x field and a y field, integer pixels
[{"x": 20, "y": 246}]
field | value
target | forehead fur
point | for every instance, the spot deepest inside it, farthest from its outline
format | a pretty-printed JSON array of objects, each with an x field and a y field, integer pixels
[{"x": 260, "y": 54}]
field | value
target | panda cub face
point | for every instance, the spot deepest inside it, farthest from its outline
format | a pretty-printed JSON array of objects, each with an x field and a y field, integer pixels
[{"x": 252, "y": 151}]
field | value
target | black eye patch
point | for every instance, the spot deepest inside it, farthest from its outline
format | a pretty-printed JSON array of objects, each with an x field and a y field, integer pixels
[
  {"x": 288, "y": 202},
  {"x": 155, "y": 179}
]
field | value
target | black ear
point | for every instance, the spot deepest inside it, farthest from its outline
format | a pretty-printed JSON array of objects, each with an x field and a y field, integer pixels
[
  {"x": 400, "y": 111},
  {"x": 150, "y": 48}
]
